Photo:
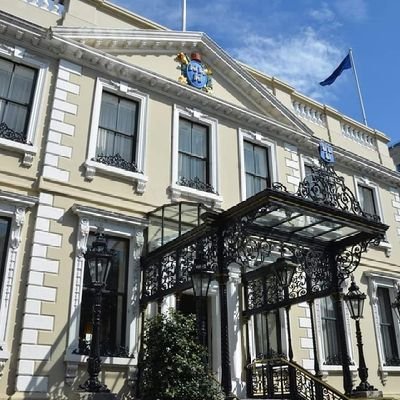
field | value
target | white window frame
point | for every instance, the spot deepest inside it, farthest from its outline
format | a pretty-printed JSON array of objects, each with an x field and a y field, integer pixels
[
  {"x": 120, "y": 89},
  {"x": 21, "y": 56},
  {"x": 392, "y": 283},
  {"x": 259, "y": 140},
  {"x": 14, "y": 207},
  {"x": 179, "y": 192},
  {"x": 131, "y": 228},
  {"x": 384, "y": 244}
]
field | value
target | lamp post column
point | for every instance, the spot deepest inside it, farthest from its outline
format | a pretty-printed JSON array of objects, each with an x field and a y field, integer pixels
[{"x": 93, "y": 384}]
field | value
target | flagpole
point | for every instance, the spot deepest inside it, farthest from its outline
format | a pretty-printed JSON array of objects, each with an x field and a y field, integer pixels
[
  {"x": 358, "y": 87},
  {"x": 183, "y": 15}
]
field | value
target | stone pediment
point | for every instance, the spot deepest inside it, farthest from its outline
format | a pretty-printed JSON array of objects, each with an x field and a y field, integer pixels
[{"x": 154, "y": 52}]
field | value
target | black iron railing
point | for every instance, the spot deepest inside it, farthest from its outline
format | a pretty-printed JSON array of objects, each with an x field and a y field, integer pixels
[{"x": 278, "y": 378}]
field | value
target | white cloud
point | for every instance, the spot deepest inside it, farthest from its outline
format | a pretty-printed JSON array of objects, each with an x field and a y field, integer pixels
[{"x": 302, "y": 60}]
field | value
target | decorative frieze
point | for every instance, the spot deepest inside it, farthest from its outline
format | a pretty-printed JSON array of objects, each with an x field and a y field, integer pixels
[
  {"x": 309, "y": 113},
  {"x": 358, "y": 136}
]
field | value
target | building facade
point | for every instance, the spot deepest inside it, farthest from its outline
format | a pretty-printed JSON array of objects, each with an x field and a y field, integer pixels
[{"x": 102, "y": 123}]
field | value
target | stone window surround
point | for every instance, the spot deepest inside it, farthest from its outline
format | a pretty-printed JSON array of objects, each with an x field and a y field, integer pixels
[
  {"x": 259, "y": 140},
  {"x": 121, "y": 89},
  {"x": 116, "y": 225},
  {"x": 21, "y": 56},
  {"x": 391, "y": 282},
  {"x": 177, "y": 191},
  {"x": 13, "y": 206}
]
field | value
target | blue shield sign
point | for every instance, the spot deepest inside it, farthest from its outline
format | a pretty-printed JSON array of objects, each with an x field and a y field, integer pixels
[
  {"x": 326, "y": 152},
  {"x": 196, "y": 75}
]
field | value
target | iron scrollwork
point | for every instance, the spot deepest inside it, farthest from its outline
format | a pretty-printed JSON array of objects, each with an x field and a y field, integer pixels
[
  {"x": 10, "y": 134},
  {"x": 117, "y": 161},
  {"x": 325, "y": 187},
  {"x": 197, "y": 184},
  {"x": 173, "y": 269}
]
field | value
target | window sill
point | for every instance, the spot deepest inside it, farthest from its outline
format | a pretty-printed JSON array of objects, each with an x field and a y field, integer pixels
[
  {"x": 178, "y": 192},
  {"x": 92, "y": 167},
  {"x": 26, "y": 149}
]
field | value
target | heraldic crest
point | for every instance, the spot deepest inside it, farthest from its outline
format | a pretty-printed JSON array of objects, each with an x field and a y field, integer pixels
[{"x": 194, "y": 72}]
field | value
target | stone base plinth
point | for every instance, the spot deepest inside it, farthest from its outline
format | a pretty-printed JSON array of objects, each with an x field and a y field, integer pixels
[
  {"x": 94, "y": 396},
  {"x": 367, "y": 394}
]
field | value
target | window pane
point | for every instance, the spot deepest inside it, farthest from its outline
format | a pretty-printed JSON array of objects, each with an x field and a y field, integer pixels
[
  {"x": 123, "y": 146},
  {"x": 21, "y": 84},
  {"x": 367, "y": 199},
  {"x": 6, "y": 69},
  {"x": 127, "y": 117},
  {"x": 185, "y": 136},
  {"x": 260, "y": 161},
  {"x": 198, "y": 169},
  {"x": 250, "y": 186},
  {"x": 109, "y": 111},
  {"x": 248, "y": 157},
  {"x": 105, "y": 142},
  {"x": 113, "y": 325},
  {"x": 329, "y": 331},
  {"x": 199, "y": 140},
  {"x": 184, "y": 166},
  {"x": 15, "y": 116}
]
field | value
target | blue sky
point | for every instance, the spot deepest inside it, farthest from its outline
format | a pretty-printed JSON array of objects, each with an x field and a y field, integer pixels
[{"x": 302, "y": 42}]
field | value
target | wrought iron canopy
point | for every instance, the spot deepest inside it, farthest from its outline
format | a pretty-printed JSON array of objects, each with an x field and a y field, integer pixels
[{"x": 321, "y": 227}]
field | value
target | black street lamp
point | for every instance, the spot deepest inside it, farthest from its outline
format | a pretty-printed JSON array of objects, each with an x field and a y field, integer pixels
[
  {"x": 396, "y": 305},
  {"x": 355, "y": 302},
  {"x": 99, "y": 260},
  {"x": 201, "y": 279},
  {"x": 284, "y": 270}
]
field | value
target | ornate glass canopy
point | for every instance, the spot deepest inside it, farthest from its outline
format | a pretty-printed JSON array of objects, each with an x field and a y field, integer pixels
[{"x": 321, "y": 228}]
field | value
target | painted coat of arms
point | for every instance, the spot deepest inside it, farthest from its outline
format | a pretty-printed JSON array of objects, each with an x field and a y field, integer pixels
[
  {"x": 326, "y": 152},
  {"x": 194, "y": 72}
]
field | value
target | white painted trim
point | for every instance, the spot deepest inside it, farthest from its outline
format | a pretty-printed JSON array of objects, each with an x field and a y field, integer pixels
[
  {"x": 21, "y": 56},
  {"x": 90, "y": 220},
  {"x": 13, "y": 207},
  {"x": 177, "y": 191},
  {"x": 260, "y": 140},
  {"x": 121, "y": 89}
]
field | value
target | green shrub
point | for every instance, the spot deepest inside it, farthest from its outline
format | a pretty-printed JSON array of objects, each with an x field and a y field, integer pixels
[{"x": 173, "y": 366}]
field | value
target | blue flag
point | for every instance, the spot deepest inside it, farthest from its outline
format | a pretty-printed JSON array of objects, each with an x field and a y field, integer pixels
[{"x": 345, "y": 64}]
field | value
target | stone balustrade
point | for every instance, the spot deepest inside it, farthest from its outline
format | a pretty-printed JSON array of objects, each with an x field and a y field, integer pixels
[
  {"x": 53, "y": 6},
  {"x": 358, "y": 136},
  {"x": 309, "y": 113}
]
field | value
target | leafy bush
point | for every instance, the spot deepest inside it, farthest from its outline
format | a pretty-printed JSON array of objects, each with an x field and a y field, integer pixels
[{"x": 173, "y": 366}]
